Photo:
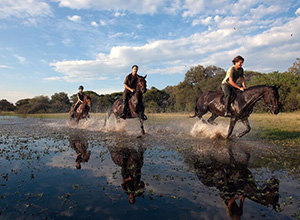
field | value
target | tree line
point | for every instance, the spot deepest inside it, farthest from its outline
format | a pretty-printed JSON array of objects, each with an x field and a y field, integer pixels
[{"x": 178, "y": 98}]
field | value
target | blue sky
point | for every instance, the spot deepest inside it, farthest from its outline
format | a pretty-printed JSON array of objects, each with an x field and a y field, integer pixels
[{"x": 56, "y": 45}]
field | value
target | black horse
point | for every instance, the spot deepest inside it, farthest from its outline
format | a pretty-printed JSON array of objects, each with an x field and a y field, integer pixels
[
  {"x": 241, "y": 107},
  {"x": 136, "y": 104}
]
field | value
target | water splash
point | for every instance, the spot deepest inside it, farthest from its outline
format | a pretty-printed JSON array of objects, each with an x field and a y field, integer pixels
[{"x": 209, "y": 131}]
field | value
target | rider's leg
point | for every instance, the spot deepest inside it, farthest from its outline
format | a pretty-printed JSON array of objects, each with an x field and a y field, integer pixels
[
  {"x": 227, "y": 93},
  {"x": 125, "y": 104}
]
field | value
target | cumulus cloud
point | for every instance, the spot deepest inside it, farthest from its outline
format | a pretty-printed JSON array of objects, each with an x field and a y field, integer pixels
[
  {"x": 209, "y": 47},
  {"x": 139, "y": 7},
  {"x": 94, "y": 23},
  {"x": 74, "y": 18},
  {"x": 24, "y": 8}
]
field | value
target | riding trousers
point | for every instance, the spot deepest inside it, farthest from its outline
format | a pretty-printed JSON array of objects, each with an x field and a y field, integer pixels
[
  {"x": 126, "y": 96},
  {"x": 227, "y": 90}
]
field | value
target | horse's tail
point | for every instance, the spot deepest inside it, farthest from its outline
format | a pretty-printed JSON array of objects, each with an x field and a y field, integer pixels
[{"x": 107, "y": 116}]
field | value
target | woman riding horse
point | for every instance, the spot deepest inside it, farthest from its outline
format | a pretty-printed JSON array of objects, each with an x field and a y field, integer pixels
[
  {"x": 229, "y": 82},
  {"x": 242, "y": 105}
]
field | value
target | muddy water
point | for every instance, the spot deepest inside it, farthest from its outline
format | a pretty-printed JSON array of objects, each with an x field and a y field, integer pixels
[{"x": 51, "y": 169}]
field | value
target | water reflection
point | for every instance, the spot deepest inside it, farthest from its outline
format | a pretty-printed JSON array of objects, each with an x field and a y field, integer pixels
[
  {"x": 226, "y": 168},
  {"x": 80, "y": 145},
  {"x": 130, "y": 157}
]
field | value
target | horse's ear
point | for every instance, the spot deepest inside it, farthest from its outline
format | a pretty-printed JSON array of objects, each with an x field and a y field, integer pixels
[{"x": 145, "y": 76}]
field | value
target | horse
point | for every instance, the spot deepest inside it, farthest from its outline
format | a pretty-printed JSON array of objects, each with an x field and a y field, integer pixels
[
  {"x": 83, "y": 110},
  {"x": 136, "y": 104},
  {"x": 241, "y": 107}
]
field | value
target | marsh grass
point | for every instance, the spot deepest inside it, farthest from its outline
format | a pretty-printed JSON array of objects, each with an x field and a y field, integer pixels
[{"x": 283, "y": 129}]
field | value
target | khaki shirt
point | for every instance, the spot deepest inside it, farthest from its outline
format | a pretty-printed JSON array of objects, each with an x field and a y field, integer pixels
[{"x": 234, "y": 74}]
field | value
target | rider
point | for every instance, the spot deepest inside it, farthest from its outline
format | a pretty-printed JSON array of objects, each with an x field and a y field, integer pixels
[
  {"x": 229, "y": 82},
  {"x": 130, "y": 83},
  {"x": 80, "y": 98}
]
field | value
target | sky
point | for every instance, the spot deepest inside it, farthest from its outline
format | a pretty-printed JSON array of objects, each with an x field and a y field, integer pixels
[{"x": 56, "y": 45}]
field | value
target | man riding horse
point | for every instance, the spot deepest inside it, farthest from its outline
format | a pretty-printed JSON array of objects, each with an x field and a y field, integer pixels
[
  {"x": 229, "y": 82},
  {"x": 130, "y": 84}
]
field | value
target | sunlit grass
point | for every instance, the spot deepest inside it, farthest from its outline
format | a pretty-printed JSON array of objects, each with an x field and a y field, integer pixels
[{"x": 283, "y": 129}]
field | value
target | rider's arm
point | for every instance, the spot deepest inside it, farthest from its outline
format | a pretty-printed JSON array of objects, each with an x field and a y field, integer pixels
[
  {"x": 232, "y": 83},
  {"x": 243, "y": 82},
  {"x": 128, "y": 88}
]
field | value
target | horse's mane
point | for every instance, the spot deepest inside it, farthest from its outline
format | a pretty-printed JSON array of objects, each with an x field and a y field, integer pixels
[{"x": 258, "y": 86}]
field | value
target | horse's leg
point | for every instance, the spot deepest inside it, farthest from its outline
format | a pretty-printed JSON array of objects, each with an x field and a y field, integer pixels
[
  {"x": 142, "y": 123},
  {"x": 231, "y": 126},
  {"x": 248, "y": 128},
  {"x": 212, "y": 118},
  {"x": 107, "y": 116}
]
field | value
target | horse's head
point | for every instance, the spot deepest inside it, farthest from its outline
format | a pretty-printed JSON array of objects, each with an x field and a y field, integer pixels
[
  {"x": 271, "y": 98},
  {"x": 87, "y": 100},
  {"x": 142, "y": 84}
]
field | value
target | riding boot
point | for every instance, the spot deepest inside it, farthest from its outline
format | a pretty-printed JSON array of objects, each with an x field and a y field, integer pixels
[
  {"x": 144, "y": 117},
  {"x": 124, "y": 113}
]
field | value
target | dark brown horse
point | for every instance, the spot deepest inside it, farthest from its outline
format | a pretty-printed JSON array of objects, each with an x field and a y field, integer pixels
[
  {"x": 136, "y": 104},
  {"x": 241, "y": 107},
  {"x": 82, "y": 111}
]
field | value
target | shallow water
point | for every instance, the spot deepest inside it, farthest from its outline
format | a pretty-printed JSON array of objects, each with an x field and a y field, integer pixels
[{"x": 179, "y": 170}]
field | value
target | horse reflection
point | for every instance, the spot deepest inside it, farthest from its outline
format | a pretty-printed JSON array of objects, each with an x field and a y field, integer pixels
[
  {"x": 227, "y": 170},
  {"x": 80, "y": 145},
  {"x": 131, "y": 160}
]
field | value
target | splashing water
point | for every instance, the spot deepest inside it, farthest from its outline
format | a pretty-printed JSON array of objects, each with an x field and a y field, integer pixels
[{"x": 209, "y": 131}]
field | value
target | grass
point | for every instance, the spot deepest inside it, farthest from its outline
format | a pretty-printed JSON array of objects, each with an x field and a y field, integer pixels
[{"x": 283, "y": 129}]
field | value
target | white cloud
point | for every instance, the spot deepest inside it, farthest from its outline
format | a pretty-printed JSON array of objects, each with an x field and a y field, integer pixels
[
  {"x": 118, "y": 14},
  {"x": 206, "y": 21},
  {"x": 210, "y": 47},
  {"x": 21, "y": 60},
  {"x": 139, "y": 7},
  {"x": 74, "y": 18},
  {"x": 94, "y": 23},
  {"x": 5, "y": 67},
  {"x": 139, "y": 26},
  {"x": 103, "y": 23},
  {"x": 297, "y": 12},
  {"x": 24, "y": 8}
]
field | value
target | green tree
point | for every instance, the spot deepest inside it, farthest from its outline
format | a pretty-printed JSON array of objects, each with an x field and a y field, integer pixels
[
  {"x": 6, "y": 106},
  {"x": 60, "y": 102},
  {"x": 156, "y": 100},
  {"x": 295, "y": 68}
]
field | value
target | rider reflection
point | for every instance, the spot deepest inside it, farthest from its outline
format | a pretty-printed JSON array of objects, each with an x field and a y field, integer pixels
[
  {"x": 131, "y": 161},
  {"x": 231, "y": 176},
  {"x": 80, "y": 145}
]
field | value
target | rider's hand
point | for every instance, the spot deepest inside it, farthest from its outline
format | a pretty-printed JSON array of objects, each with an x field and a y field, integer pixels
[
  {"x": 132, "y": 90},
  {"x": 242, "y": 89}
]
